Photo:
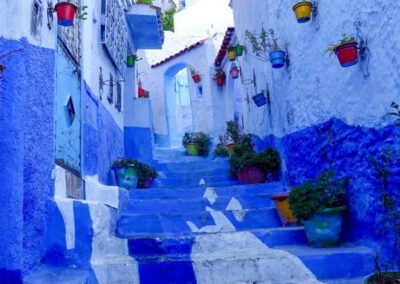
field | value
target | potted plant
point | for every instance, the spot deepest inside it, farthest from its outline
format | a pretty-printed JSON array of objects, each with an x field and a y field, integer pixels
[
  {"x": 346, "y": 51},
  {"x": 221, "y": 150},
  {"x": 126, "y": 173},
  {"x": 234, "y": 71},
  {"x": 232, "y": 135},
  {"x": 147, "y": 2},
  {"x": 251, "y": 167},
  {"x": 195, "y": 75},
  {"x": 320, "y": 205},
  {"x": 231, "y": 53},
  {"x": 196, "y": 143},
  {"x": 281, "y": 202},
  {"x": 220, "y": 77},
  {"x": 303, "y": 11},
  {"x": 146, "y": 175},
  {"x": 130, "y": 60},
  {"x": 267, "y": 43},
  {"x": 384, "y": 163},
  {"x": 260, "y": 99},
  {"x": 66, "y": 13},
  {"x": 239, "y": 49}
]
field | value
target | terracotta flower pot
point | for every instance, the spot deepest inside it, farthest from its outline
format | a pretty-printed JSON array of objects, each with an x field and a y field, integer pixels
[
  {"x": 250, "y": 175},
  {"x": 65, "y": 13},
  {"x": 284, "y": 211},
  {"x": 196, "y": 78},
  {"x": 347, "y": 54}
]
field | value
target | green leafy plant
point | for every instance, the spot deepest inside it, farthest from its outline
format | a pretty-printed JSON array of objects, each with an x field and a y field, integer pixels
[
  {"x": 263, "y": 42},
  {"x": 144, "y": 171},
  {"x": 168, "y": 19},
  {"x": 244, "y": 156},
  {"x": 193, "y": 71},
  {"x": 219, "y": 73},
  {"x": 346, "y": 39},
  {"x": 148, "y": 2},
  {"x": 220, "y": 150},
  {"x": 327, "y": 191},
  {"x": 388, "y": 225},
  {"x": 232, "y": 133},
  {"x": 200, "y": 138}
]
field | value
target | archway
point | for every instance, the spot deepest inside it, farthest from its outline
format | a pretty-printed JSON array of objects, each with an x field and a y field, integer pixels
[{"x": 178, "y": 103}]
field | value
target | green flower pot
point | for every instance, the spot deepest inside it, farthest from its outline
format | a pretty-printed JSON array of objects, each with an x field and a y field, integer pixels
[
  {"x": 193, "y": 149},
  {"x": 130, "y": 61},
  {"x": 239, "y": 49},
  {"x": 325, "y": 227},
  {"x": 126, "y": 177}
]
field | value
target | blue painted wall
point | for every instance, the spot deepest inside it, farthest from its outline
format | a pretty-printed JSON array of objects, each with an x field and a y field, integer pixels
[
  {"x": 138, "y": 144},
  {"x": 103, "y": 140},
  {"x": 335, "y": 144},
  {"x": 26, "y": 154}
]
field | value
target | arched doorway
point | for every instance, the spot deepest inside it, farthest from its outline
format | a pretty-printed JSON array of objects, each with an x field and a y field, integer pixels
[{"x": 178, "y": 103}]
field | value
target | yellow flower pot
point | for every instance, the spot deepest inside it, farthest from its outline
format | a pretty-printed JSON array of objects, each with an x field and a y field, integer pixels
[
  {"x": 232, "y": 55},
  {"x": 284, "y": 211},
  {"x": 303, "y": 11}
]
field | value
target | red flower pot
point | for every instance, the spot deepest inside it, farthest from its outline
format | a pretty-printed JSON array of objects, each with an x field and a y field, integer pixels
[
  {"x": 235, "y": 73},
  {"x": 140, "y": 92},
  {"x": 347, "y": 54},
  {"x": 196, "y": 78},
  {"x": 65, "y": 13},
  {"x": 147, "y": 183},
  {"x": 220, "y": 81},
  {"x": 249, "y": 175}
]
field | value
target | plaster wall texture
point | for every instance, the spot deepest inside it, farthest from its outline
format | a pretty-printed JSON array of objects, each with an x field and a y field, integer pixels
[
  {"x": 15, "y": 23},
  {"x": 26, "y": 154},
  {"x": 95, "y": 57},
  {"x": 317, "y": 88}
]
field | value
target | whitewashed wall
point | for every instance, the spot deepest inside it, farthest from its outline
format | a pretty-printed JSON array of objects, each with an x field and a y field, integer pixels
[
  {"x": 15, "y": 23},
  {"x": 94, "y": 56},
  {"x": 319, "y": 88},
  {"x": 199, "y": 20}
]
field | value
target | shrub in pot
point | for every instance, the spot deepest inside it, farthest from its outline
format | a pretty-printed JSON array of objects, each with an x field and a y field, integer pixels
[
  {"x": 346, "y": 51},
  {"x": 219, "y": 77},
  {"x": 196, "y": 143},
  {"x": 251, "y": 167},
  {"x": 221, "y": 150},
  {"x": 195, "y": 75},
  {"x": 132, "y": 174},
  {"x": 320, "y": 205}
]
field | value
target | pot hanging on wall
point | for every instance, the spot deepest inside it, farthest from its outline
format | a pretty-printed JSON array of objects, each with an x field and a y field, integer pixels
[
  {"x": 234, "y": 72},
  {"x": 303, "y": 11},
  {"x": 277, "y": 58},
  {"x": 260, "y": 99},
  {"x": 239, "y": 49},
  {"x": 347, "y": 54},
  {"x": 220, "y": 81},
  {"x": 130, "y": 61},
  {"x": 196, "y": 78},
  {"x": 231, "y": 53},
  {"x": 65, "y": 13}
]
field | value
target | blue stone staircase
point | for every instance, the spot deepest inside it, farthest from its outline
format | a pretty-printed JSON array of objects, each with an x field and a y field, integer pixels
[{"x": 165, "y": 223}]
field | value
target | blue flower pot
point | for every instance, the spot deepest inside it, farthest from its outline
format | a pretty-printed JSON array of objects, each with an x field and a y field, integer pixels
[
  {"x": 126, "y": 177},
  {"x": 277, "y": 58},
  {"x": 259, "y": 99},
  {"x": 324, "y": 228}
]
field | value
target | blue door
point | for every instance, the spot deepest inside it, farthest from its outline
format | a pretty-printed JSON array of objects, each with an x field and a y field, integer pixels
[{"x": 68, "y": 113}]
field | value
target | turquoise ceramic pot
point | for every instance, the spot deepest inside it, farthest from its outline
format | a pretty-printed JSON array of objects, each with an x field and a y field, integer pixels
[
  {"x": 395, "y": 274},
  {"x": 325, "y": 227},
  {"x": 126, "y": 177}
]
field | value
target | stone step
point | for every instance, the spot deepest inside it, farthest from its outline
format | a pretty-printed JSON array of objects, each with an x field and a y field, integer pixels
[
  {"x": 357, "y": 280},
  {"x": 198, "y": 192},
  {"x": 155, "y": 206},
  {"x": 177, "y": 245},
  {"x": 341, "y": 263},
  {"x": 46, "y": 274},
  {"x": 185, "y": 166},
  {"x": 225, "y": 258},
  {"x": 196, "y": 173},
  {"x": 116, "y": 270},
  {"x": 188, "y": 181},
  {"x": 153, "y": 225}
]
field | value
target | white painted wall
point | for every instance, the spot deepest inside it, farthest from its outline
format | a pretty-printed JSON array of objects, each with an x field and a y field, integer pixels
[
  {"x": 199, "y": 20},
  {"x": 319, "y": 88},
  {"x": 94, "y": 56},
  {"x": 15, "y": 22}
]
